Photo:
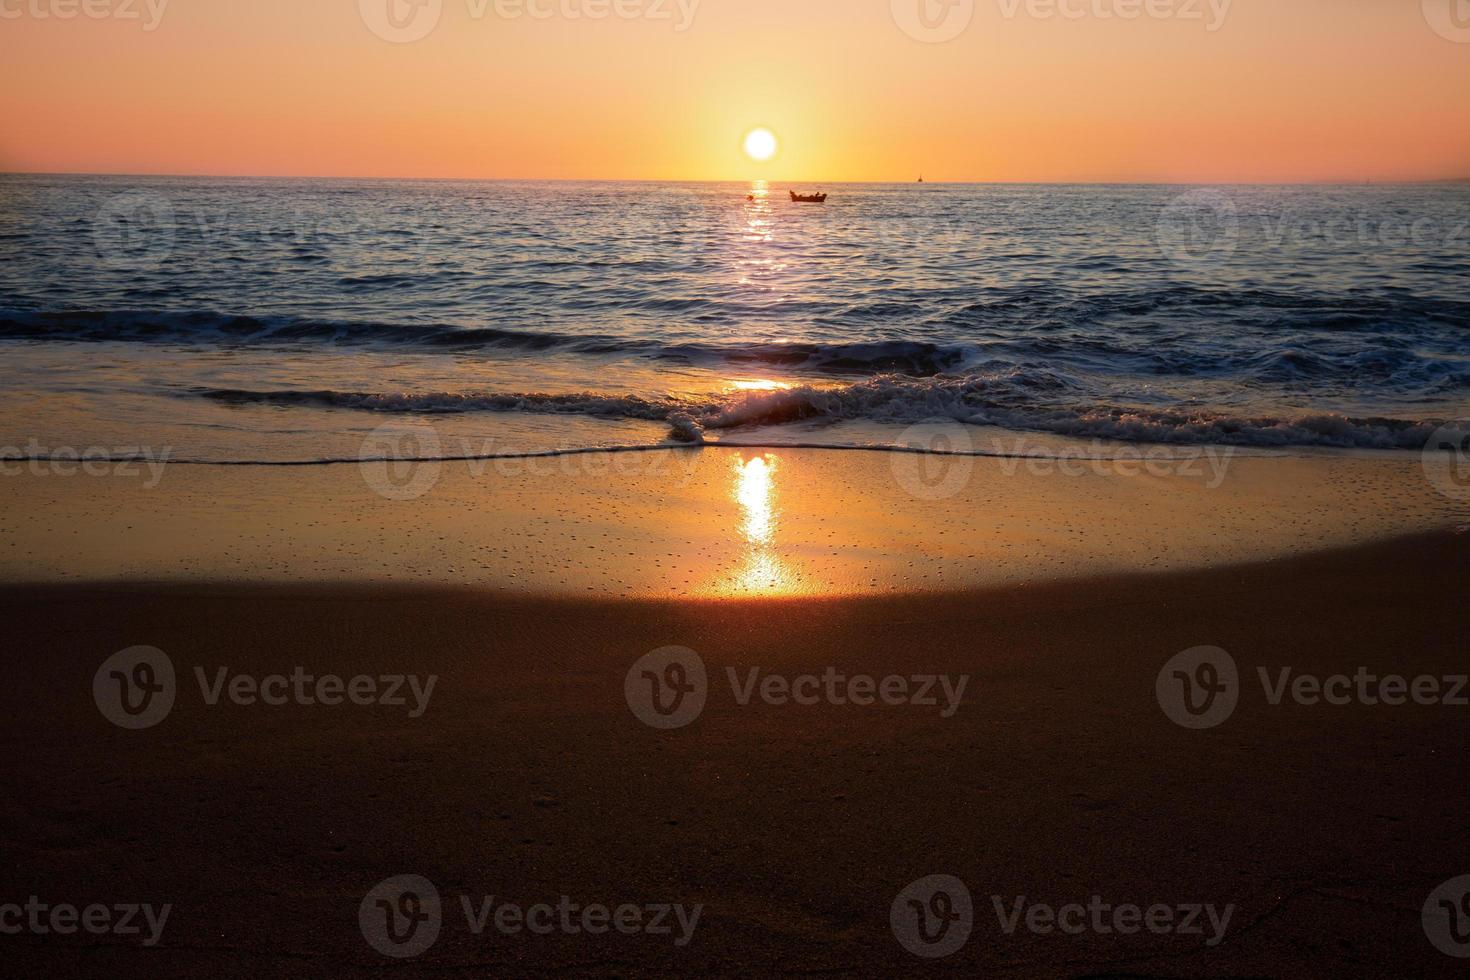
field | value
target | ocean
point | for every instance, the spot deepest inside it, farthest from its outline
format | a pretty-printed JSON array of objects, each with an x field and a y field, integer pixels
[{"x": 288, "y": 320}]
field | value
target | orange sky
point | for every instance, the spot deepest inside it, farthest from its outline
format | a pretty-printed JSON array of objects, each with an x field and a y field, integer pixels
[{"x": 1283, "y": 90}]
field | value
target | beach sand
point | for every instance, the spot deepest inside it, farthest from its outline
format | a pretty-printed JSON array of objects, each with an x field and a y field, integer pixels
[
  {"x": 528, "y": 776},
  {"x": 713, "y": 522}
]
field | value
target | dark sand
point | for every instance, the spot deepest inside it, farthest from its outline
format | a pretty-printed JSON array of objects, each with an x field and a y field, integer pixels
[{"x": 529, "y": 778}]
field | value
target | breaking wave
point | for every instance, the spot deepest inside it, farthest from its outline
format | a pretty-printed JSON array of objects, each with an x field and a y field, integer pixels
[{"x": 1008, "y": 401}]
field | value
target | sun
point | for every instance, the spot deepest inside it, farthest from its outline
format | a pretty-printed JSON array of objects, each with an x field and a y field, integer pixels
[{"x": 760, "y": 144}]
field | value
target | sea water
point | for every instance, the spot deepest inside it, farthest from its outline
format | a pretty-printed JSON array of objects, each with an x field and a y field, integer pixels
[{"x": 289, "y": 320}]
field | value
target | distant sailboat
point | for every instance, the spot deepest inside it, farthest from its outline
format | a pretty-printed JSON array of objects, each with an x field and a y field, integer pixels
[{"x": 921, "y": 178}]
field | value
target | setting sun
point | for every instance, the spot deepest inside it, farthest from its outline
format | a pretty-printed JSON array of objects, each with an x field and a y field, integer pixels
[{"x": 760, "y": 144}]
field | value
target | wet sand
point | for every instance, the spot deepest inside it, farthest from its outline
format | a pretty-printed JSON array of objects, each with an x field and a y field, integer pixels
[
  {"x": 713, "y": 523},
  {"x": 528, "y": 777}
]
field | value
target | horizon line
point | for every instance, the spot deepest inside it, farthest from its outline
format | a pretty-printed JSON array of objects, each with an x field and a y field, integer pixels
[{"x": 1316, "y": 182}]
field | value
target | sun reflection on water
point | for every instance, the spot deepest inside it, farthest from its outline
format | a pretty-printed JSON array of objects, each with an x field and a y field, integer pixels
[
  {"x": 759, "y": 218},
  {"x": 760, "y": 384}
]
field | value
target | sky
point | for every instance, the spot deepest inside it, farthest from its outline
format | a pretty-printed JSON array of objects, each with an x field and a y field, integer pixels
[{"x": 855, "y": 90}]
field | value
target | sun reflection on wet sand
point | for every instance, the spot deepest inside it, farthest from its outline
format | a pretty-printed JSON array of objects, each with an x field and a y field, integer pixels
[
  {"x": 753, "y": 491},
  {"x": 762, "y": 570}
]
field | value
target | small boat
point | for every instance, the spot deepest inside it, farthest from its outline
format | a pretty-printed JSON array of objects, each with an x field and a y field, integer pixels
[{"x": 808, "y": 198}]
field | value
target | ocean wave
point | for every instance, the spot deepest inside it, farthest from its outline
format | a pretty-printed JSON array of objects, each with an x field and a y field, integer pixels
[
  {"x": 911, "y": 357},
  {"x": 1006, "y": 400},
  {"x": 1402, "y": 346}
]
